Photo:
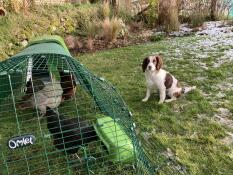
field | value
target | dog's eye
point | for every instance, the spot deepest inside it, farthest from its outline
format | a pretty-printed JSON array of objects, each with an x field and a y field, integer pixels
[{"x": 153, "y": 61}]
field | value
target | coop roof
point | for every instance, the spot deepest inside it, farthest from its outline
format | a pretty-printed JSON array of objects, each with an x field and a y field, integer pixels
[{"x": 46, "y": 45}]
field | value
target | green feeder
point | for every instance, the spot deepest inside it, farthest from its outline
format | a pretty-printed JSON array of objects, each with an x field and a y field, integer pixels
[{"x": 119, "y": 145}]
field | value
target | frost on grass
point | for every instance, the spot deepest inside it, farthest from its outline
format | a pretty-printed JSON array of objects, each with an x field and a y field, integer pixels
[
  {"x": 225, "y": 86},
  {"x": 223, "y": 116},
  {"x": 220, "y": 95},
  {"x": 228, "y": 140},
  {"x": 214, "y": 42},
  {"x": 226, "y": 58},
  {"x": 215, "y": 29}
]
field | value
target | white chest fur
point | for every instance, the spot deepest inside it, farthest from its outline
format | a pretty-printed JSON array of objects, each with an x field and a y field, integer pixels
[{"x": 155, "y": 78}]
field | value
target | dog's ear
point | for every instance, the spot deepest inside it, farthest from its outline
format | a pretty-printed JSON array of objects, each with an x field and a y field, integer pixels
[
  {"x": 145, "y": 63},
  {"x": 159, "y": 62}
]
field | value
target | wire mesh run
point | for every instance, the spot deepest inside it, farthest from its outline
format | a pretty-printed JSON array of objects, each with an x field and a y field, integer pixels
[
  {"x": 48, "y": 97},
  {"x": 56, "y": 117}
]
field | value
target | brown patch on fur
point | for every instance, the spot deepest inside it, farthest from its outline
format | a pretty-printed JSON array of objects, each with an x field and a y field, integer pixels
[
  {"x": 145, "y": 63},
  {"x": 177, "y": 94},
  {"x": 168, "y": 81},
  {"x": 159, "y": 62}
]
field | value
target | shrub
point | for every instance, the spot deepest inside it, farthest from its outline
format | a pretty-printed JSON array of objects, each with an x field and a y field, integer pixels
[
  {"x": 116, "y": 26},
  {"x": 151, "y": 15},
  {"x": 197, "y": 19},
  {"x": 111, "y": 28},
  {"x": 106, "y": 26},
  {"x": 92, "y": 29},
  {"x": 84, "y": 17},
  {"x": 105, "y": 10},
  {"x": 90, "y": 44},
  {"x": 15, "y": 5},
  {"x": 136, "y": 26},
  {"x": 125, "y": 15},
  {"x": 18, "y": 5},
  {"x": 155, "y": 38}
]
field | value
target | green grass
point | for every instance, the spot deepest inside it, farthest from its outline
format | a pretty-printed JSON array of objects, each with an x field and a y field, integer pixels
[{"x": 186, "y": 126}]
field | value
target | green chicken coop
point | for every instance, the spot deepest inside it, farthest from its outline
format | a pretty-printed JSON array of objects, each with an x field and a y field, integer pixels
[{"x": 56, "y": 117}]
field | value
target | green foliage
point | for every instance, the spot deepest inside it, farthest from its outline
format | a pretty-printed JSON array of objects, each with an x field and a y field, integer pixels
[
  {"x": 105, "y": 10},
  {"x": 93, "y": 29},
  {"x": 197, "y": 19},
  {"x": 84, "y": 17},
  {"x": 84, "y": 20},
  {"x": 111, "y": 28},
  {"x": 155, "y": 38},
  {"x": 125, "y": 15},
  {"x": 151, "y": 15}
]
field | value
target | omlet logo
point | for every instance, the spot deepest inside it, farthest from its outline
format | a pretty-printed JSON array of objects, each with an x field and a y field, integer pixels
[{"x": 21, "y": 141}]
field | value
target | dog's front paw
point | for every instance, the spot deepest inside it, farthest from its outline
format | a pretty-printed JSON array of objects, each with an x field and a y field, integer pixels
[
  {"x": 145, "y": 99},
  {"x": 169, "y": 100},
  {"x": 160, "y": 102}
]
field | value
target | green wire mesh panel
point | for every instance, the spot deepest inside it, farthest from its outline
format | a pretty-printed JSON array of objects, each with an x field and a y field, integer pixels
[{"x": 56, "y": 117}]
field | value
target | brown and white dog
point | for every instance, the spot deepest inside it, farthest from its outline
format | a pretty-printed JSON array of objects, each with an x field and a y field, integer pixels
[{"x": 158, "y": 78}]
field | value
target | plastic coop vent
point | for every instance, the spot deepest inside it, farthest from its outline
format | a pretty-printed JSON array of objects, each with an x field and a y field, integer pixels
[{"x": 56, "y": 117}]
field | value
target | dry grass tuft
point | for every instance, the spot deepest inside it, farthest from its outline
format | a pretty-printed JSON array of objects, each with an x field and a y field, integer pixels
[
  {"x": 90, "y": 44},
  {"x": 20, "y": 5},
  {"x": 92, "y": 29},
  {"x": 16, "y": 5},
  {"x": 92, "y": 32},
  {"x": 111, "y": 28},
  {"x": 197, "y": 19}
]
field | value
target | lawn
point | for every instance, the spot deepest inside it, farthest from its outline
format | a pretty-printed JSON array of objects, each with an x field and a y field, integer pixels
[{"x": 194, "y": 129}]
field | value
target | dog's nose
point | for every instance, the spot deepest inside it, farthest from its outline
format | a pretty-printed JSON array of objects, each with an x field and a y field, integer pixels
[{"x": 149, "y": 67}]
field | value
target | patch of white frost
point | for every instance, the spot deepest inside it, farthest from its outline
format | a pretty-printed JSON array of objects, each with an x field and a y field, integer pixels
[
  {"x": 217, "y": 40},
  {"x": 223, "y": 117}
]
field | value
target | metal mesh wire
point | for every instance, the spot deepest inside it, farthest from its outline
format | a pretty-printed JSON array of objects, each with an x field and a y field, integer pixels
[{"x": 21, "y": 113}]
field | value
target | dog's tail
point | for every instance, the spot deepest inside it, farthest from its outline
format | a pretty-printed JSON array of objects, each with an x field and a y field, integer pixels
[{"x": 187, "y": 89}]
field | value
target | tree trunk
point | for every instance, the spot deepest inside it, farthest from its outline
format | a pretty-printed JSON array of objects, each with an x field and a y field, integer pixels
[
  {"x": 168, "y": 14},
  {"x": 213, "y": 10}
]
